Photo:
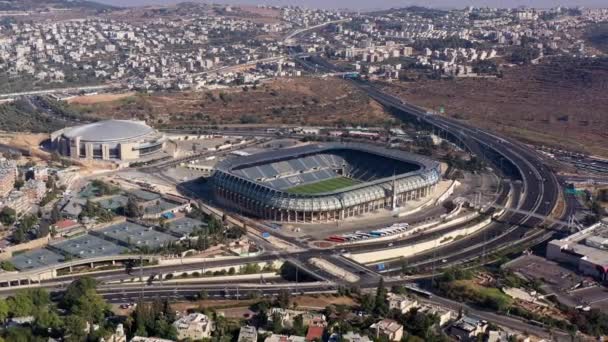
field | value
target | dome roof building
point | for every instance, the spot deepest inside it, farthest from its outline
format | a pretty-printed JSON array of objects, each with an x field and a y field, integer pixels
[{"x": 111, "y": 140}]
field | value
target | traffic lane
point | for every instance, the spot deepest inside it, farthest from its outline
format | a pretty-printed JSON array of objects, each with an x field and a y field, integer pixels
[
  {"x": 225, "y": 292},
  {"x": 372, "y": 246}
]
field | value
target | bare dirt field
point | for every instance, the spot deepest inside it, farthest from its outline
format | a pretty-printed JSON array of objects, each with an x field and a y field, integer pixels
[
  {"x": 99, "y": 98},
  {"x": 29, "y": 142},
  {"x": 321, "y": 301},
  {"x": 262, "y": 15},
  {"x": 300, "y": 101},
  {"x": 558, "y": 103}
]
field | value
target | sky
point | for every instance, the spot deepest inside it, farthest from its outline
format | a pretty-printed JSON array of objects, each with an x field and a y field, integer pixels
[{"x": 381, "y": 4}]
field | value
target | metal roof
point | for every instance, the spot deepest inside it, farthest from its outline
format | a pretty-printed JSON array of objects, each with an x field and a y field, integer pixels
[
  {"x": 110, "y": 130},
  {"x": 429, "y": 173}
]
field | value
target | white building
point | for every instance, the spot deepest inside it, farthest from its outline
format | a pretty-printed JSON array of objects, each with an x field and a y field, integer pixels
[
  {"x": 402, "y": 303},
  {"x": 388, "y": 328},
  {"x": 195, "y": 326},
  {"x": 248, "y": 334},
  {"x": 284, "y": 338}
]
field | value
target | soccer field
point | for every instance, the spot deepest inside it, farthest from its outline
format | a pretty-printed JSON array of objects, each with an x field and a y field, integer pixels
[{"x": 323, "y": 186}]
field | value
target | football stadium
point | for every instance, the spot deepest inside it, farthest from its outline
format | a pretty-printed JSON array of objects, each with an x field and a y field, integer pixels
[{"x": 323, "y": 182}]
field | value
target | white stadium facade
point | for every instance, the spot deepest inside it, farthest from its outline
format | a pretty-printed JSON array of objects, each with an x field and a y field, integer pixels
[{"x": 111, "y": 140}]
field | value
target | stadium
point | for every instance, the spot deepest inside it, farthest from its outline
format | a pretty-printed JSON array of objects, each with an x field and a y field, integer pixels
[
  {"x": 111, "y": 140},
  {"x": 323, "y": 182}
]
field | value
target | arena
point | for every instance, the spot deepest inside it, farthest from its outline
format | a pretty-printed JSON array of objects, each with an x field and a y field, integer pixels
[
  {"x": 111, "y": 140},
  {"x": 323, "y": 182}
]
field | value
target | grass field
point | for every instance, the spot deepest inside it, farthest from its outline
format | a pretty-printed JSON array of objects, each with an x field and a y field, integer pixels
[{"x": 323, "y": 186}]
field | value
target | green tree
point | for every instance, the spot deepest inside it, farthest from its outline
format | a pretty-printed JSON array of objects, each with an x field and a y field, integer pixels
[
  {"x": 380, "y": 302},
  {"x": 21, "y": 334},
  {"x": 55, "y": 214},
  {"x": 19, "y": 183},
  {"x": 368, "y": 303},
  {"x": 75, "y": 329},
  {"x": 3, "y": 310},
  {"x": 132, "y": 208},
  {"x": 7, "y": 216},
  {"x": 283, "y": 299},
  {"x": 77, "y": 289},
  {"x": 90, "y": 306}
]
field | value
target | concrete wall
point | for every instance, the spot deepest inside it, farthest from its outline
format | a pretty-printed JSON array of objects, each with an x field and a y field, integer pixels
[
  {"x": 38, "y": 243},
  {"x": 127, "y": 152},
  {"x": 417, "y": 248}
]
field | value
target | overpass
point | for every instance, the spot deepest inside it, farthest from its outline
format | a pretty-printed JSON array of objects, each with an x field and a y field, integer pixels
[{"x": 49, "y": 272}]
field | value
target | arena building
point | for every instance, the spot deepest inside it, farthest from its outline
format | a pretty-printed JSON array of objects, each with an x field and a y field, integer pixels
[
  {"x": 324, "y": 182},
  {"x": 111, "y": 140}
]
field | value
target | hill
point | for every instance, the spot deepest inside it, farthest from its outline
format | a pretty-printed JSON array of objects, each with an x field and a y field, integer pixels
[
  {"x": 559, "y": 103},
  {"x": 36, "y": 5},
  {"x": 597, "y": 36},
  {"x": 299, "y": 101}
]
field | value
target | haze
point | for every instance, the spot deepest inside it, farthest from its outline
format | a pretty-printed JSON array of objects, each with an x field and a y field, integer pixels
[{"x": 366, "y": 4}]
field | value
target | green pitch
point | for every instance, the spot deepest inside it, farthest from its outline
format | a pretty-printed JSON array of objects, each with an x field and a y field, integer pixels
[{"x": 326, "y": 185}]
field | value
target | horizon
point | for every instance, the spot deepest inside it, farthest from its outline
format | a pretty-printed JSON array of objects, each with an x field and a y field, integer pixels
[{"x": 377, "y": 5}]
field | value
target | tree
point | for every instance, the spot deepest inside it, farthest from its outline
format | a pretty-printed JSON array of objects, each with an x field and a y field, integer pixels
[
  {"x": 75, "y": 328},
  {"x": 380, "y": 302},
  {"x": 90, "y": 306},
  {"x": 55, "y": 214},
  {"x": 3, "y": 310},
  {"x": 8, "y": 216},
  {"x": 132, "y": 208},
  {"x": 19, "y": 235},
  {"x": 19, "y": 183},
  {"x": 77, "y": 289},
  {"x": 368, "y": 303},
  {"x": 283, "y": 299}
]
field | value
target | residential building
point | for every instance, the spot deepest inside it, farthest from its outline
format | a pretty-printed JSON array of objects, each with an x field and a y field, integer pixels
[
  {"x": 18, "y": 201},
  {"x": 8, "y": 175},
  {"x": 402, "y": 303},
  {"x": 34, "y": 190},
  {"x": 467, "y": 328},
  {"x": 388, "y": 328},
  {"x": 352, "y": 337},
  {"x": 284, "y": 338},
  {"x": 149, "y": 339},
  {"x": 118, "y": 336},
  {"x": 315, "y": 333},
  {"x": 195, "y": 326},
  {"x": 444, "y": 315},
  {"x": 248, "y": 334}
]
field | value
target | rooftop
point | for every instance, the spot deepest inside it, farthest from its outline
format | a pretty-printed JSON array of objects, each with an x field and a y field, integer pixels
[
  {"x": 133, "y": 234},
  {"x": 109, "y": 130},
  {"x": 184, "y": 225},
  {"x": 88, "y": 246},
  {"x": 37, "y": 258}
]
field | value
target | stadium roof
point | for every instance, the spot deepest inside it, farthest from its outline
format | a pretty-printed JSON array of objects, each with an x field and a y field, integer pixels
[
  {"x": 230, "y": 165},
  {"x": 110, "y": 130}
]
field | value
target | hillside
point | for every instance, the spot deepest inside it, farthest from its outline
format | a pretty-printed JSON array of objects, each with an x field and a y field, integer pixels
[
  {"x": 37, "y": 5},
  {"x": 559, "y": 103},
  {"x": 597, "y": 36},
  {"x": 300, "y": 101}
]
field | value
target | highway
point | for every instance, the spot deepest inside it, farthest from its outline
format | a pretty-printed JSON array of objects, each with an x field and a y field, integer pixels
[
  {"x": 540, "y": 186},
  {"x": 535, "y": 189}
]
